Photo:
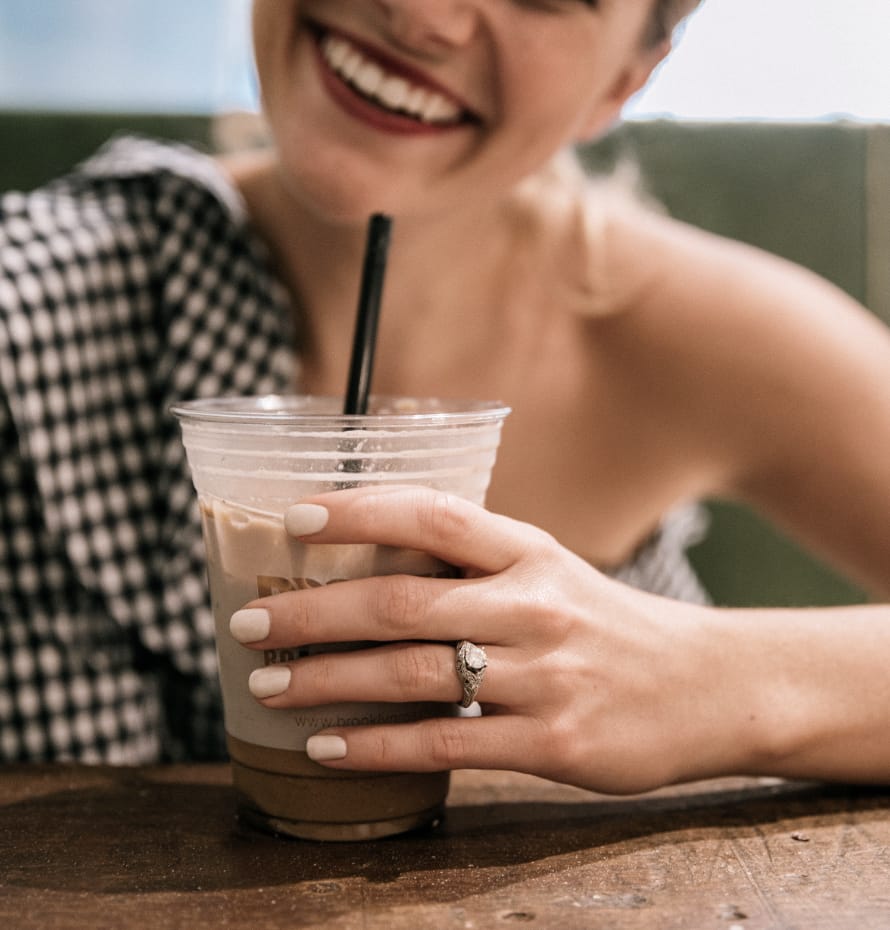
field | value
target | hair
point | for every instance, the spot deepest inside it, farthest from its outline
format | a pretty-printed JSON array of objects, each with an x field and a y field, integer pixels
[{"x": 666, "y": 15}]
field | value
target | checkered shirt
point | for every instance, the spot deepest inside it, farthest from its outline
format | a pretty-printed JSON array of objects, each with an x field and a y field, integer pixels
[{"x": 128, "y": 285}]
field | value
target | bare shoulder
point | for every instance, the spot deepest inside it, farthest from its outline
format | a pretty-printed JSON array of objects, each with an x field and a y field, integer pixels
[
  {"x": 247, "y": 169},
  {"x": 655, "y": 263},
  {"x": 744, "y": 338},
  {"x": 253, "y": 173},
  {"x": 693, "y": 294}
]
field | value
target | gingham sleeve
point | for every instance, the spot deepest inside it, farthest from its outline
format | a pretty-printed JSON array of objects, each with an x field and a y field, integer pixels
[{"x": 124, "y": 287}]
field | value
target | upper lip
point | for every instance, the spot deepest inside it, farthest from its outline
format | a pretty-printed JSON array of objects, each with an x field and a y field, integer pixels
[{"x": 395, "y": 66}]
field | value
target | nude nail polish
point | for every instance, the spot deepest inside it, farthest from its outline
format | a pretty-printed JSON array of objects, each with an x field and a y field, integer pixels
[
  {"x": 325, "y": 748},
  {"x": 268, "y": 681},
  {"x": 250, "y": 625},
  {"x": 305, "y": 519}
]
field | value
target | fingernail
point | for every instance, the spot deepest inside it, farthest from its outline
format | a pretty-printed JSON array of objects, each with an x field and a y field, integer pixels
[
  {"x": 305, "y": 519},
  {"x": 269, "y": 681},
  {"x": 250, "y": 625},
  {"x": 325, "y": 748}
]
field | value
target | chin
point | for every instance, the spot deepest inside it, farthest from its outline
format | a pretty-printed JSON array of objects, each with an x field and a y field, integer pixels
[
  {"x": 347, "y": 191},
  {"x": 336, "y": 201}
]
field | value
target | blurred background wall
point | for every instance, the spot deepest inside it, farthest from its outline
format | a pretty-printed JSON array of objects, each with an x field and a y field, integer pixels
[{"x": 126, "y": 55}]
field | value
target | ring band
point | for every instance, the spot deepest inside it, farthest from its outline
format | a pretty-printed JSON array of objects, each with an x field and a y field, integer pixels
[{"x": 470, "y": 662}]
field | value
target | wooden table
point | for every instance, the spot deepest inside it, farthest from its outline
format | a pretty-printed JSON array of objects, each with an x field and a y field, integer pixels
[{"x": 159, "y": 848}]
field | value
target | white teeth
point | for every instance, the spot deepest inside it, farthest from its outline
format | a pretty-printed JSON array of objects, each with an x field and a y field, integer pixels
[
  {"x": 351, "y": 64},
  {"x": 393, "y": 92},
  {"x": 416, "y": 100},
  {"x": 337, "y": 52},
  {"x": 437, "y": 109},
  {"x": 368, "y": 78},
  {"x": 390, "y": 90}
]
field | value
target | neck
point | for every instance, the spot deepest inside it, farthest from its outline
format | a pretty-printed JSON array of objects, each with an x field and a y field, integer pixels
[{"x": 433, "y": 266}]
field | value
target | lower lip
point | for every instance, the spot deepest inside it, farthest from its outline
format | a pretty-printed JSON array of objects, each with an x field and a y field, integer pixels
[{"x": 361, "y": 109}]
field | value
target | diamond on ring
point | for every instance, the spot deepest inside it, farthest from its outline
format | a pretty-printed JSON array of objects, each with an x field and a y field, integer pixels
[{"x": 470, "y": 662}]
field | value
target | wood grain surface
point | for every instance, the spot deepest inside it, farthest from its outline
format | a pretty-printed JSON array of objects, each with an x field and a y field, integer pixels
[{"x": 160, "y": 848}]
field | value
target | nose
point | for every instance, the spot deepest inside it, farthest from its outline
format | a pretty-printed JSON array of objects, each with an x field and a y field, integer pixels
[{"x": 424, "y": 25}]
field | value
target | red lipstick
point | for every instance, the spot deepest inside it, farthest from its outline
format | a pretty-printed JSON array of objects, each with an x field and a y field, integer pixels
[{"x": 363, "y": 107}]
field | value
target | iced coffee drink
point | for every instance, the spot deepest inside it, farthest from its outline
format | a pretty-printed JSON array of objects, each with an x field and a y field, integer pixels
[{"x": 253, "y": 457}]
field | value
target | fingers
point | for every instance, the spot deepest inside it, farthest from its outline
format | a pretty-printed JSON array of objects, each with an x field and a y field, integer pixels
[
  {"x": 415, "y": 620},
  {"x": 400, "y": 606},
  {"x": 446, "y": 526},
  {"x": 393, "y": 607},
  {"x": 398, "y": 672},
  {"x": 432, "y": 745}
]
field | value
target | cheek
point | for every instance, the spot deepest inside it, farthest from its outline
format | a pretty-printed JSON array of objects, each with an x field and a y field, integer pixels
[
  {"x": 558, "y": 118},
  {"x": 259, "y": 23},
  {"x": 550, "y": 97},
  {"x": 273, "y": 27}
]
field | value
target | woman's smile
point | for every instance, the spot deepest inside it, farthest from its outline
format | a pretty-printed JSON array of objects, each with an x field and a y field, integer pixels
[
  {"x": 407, "y": 105},
  {"x": 373, "y": 86}
]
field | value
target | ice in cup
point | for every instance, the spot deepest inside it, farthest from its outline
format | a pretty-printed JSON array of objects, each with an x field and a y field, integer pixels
[{"x": 251, "y": 458}]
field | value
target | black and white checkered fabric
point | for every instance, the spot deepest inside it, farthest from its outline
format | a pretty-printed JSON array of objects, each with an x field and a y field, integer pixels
[
  {"x": 661, "y": 566},
  {"x": 132, "y": 283},
  {"x": 128, "y": 285}
]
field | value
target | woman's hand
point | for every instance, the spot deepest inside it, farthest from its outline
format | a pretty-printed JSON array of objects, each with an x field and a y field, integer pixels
[{"x": 588, "y": 682}]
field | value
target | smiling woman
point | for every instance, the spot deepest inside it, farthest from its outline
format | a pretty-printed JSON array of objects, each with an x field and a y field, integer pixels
[
  {"x": 648, "y": 365},
  {"x": 518, "y": 97}
]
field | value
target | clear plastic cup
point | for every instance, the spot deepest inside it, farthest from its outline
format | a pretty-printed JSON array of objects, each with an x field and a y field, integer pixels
[{"x": 251, "y": 458}]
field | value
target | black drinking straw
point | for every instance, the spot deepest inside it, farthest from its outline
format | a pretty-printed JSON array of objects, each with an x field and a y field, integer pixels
[{"x": 364, "y": 340}]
